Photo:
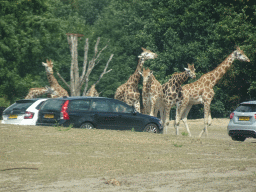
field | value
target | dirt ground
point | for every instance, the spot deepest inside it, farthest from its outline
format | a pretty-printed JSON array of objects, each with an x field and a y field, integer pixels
[{"x": 38, "y": 159}]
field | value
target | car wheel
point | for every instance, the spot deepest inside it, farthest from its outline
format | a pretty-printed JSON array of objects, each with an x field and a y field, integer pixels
[
  {"x": 238, "y": 138},
  {"x": 151, "y": 128},
  {"x": 87, "y": 125}
]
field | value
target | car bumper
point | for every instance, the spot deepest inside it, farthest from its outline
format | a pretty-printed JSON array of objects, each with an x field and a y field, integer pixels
[
  {"x": 241, "y": 130},
  {"x": 243, "y": 133}
]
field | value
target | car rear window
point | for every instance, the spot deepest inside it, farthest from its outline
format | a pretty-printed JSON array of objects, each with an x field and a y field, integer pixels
[
  {"x": 52, "y": 104},
  {"x": 39, "y": 105},
  {"x": 20, "y": 106},
  {"x": 246, "y": 108}
]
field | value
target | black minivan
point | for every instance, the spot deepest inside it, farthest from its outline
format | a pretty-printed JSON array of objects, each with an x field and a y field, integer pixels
[{"x": 95, "y": 112}]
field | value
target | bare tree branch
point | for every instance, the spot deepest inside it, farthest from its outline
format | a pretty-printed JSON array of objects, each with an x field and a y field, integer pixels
[
  {"x": 76, "y": 81},
  {"x": 86, "y": 48},
  {"x": 105, "y": 69},
  {"x": 96, "y": 47},
  {"x": 63, "y": 80}
]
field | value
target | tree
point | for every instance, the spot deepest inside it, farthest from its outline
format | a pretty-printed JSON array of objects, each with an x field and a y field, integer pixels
[{"x": 76, "y": 81}]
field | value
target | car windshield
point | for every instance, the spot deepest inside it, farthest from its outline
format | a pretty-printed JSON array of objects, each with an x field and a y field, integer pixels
[
  {"x": 52, "y": 104},
  {"x": 246, "y": 108},
  {"x": 21, "y": 106}
]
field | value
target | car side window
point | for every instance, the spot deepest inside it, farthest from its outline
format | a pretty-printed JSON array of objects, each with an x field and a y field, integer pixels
[
  {"x": 100, "y": 105},
  {"x": 121, "y": 108},
  {"x": 79, "y": 105}
]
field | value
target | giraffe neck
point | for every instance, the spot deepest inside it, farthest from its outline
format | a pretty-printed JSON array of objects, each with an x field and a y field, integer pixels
[
  {"x": 148, "y": 84},
  {"x": 135, "y": 77},
  {"x": 179, "y": 78},
  {"x": 215, "y": 75},
  {"x": 52, "y": 80}
]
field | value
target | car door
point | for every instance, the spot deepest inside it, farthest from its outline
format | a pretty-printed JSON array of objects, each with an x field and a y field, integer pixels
[
  {"x": 103, "y": 114},
  {"x": 126, "y": 118}
]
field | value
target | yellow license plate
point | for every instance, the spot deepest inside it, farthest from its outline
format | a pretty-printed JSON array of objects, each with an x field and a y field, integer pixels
[
  {"x": 244, "y": 118},
  {"x": 49, "y": 116},
  {"x": 13, "y": 116}
]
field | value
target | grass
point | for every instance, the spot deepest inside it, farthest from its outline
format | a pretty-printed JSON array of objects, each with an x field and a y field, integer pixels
[
  {"x": 65, "y": 153},
  {"x": 184, "y": 134}
]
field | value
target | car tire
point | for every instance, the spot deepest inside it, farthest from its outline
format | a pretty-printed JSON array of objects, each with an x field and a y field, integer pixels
[
  {"x": 87, "y": 125},
  {"x": 151, "y": 128},
  {"x": 238, "y": 138}
]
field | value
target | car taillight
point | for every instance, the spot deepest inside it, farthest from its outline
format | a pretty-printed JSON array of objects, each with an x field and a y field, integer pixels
[
  {"x": 63, "y": 112},
  {"x": 231, "y": 115},
  {"x": 254, "y": 116},
  {"x": 28, "y": 115}
]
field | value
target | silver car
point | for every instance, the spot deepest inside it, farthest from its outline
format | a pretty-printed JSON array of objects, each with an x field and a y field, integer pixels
[
  {"x": 242, "y": 123},
  {"x": 23, "y": 112}
]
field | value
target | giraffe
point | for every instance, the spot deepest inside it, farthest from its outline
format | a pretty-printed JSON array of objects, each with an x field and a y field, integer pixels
[
  {"x": 201, "y": 92},
  {"x": 92, "y": 92},
  {"x": 172, "y": 92},
  {"x": 128, "y": 92},
  {"x": 36, "y": 92},
  {"x": 151, "y": 93},
  {"x": 55, "y": 90}
]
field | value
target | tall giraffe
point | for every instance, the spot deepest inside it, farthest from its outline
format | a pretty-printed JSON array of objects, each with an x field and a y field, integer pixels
[
  {"x": 151, "y": 93},
  {"x": 172, "y": 92},
  {"x": 128, "y": 92},
  {"x": 55, "y": 90},
  {"x": 58, "y": 91},
  {"x": 201, "y": 91}
]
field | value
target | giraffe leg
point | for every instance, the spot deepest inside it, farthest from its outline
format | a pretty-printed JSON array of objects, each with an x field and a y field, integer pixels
[
  {"x": 209, "y": 118},
  {"x": 167, "y": 116},
  {"x": 181, "y": 107},
  {"x": 152, "y": 107},
  {"x": 184, "y": 118},
  {"x": 137, "y": 106},
  {"x": 177, "y": 119},
  {"x": 206, "y": 117}
]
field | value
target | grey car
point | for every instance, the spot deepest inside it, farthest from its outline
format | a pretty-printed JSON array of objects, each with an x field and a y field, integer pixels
[{"x": 242, "y": 123}]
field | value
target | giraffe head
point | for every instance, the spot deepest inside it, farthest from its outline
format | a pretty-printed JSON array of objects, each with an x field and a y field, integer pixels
[
  {"x": 191, "y": 71},
  {"x": 146, "y": 74},
  {"x": 147, "y": 54},
  {"x": 48, "y": 66},
  {"x": 239, "y": 55}
]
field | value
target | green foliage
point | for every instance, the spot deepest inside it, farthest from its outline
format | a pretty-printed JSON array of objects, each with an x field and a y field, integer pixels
[
  {"x": 4, "y": 103},
  {"x": 179, "y": 31}
]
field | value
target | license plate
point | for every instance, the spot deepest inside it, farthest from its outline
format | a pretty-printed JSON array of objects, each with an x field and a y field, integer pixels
[
  {"x": 13, "y": 116},
  {"x": 244, "y": 118},
  {"x": 49, "y": 116}
]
